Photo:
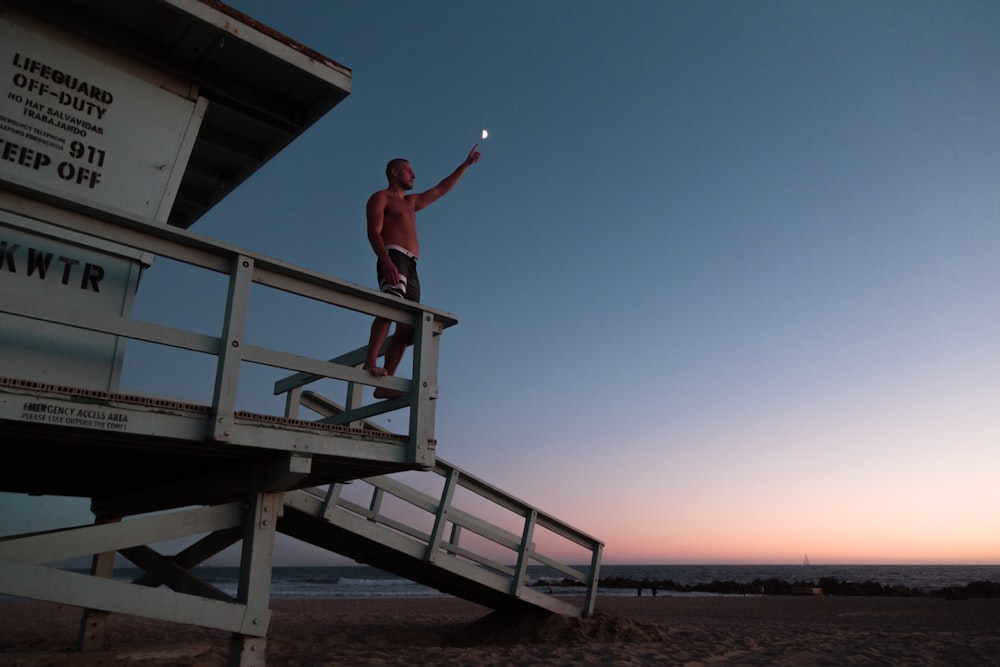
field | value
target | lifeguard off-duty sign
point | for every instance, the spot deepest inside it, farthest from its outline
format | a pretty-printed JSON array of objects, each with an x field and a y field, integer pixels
[{"x": 84, "y": 125}]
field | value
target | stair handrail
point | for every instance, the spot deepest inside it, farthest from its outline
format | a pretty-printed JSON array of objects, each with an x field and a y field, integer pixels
[{"x": 444, "y": 540}]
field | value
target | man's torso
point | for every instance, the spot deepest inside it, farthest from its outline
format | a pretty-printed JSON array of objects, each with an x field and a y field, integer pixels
[{"x": 399, "y": 224}]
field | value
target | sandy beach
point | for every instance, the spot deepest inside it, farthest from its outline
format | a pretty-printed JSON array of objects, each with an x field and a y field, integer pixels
[{"x": 665, "y": 630}]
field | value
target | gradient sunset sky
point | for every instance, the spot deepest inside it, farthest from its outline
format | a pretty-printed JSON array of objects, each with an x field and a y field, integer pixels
[{"x": 727, "y": 272}]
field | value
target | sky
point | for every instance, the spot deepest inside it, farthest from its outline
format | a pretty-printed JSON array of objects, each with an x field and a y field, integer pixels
[{"x": 725, "y": 272}]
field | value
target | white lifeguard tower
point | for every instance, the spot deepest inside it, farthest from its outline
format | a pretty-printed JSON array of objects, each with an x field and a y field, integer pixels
[{"x": 122, "y": 122}]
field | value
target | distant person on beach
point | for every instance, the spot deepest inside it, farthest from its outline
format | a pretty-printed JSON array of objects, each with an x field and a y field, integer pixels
[{"x": 392, "y": 233}]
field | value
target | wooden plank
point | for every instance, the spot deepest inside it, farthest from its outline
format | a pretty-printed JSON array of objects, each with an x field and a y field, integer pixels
[
  {"x": 457, "y": 516},
  {"x": 166, "y": 571},
  {"x": 318, "y": 370},
  {"x": 456, "y": 550},
  {"x": 424, "y": 390},
  {"x": 196, "y": 554},
  {"x": 230, "y": 350},
  {"x": 257, "y": 559},
  {"x": 81, "y": 590},
  {"x": 441, "y": 516},
  {"x": 14, "y": 304},
  {"x": 353, "y": 358},
  {"x": 374, "y": 409},
  {"x": 90, "y": 635},
  {"x": 88, "y": 540},
  {"x": 595, "y": 571}
]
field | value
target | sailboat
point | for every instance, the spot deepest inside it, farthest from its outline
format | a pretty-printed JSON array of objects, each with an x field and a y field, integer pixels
[{"x": 805, "y": 560}]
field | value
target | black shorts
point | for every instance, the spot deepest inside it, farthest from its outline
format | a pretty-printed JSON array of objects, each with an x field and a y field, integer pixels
[{"x": 408, "y": 286}]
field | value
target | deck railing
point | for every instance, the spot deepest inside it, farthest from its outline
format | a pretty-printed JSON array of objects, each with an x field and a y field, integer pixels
[{"x": 244, "y": 269}]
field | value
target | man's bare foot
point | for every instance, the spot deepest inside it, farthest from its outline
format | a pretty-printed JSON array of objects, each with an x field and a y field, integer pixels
[
  {"x": 376, "y": 371},
  {"x": 382, "y": 392}
]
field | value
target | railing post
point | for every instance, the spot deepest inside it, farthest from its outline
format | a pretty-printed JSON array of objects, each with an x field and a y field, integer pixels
[
  {"x": 329, "y": 505},
  {"x": 523, "y": 554},
  {"x": 595, "y": 573},
  {"x": 375, "y": 506},
  {"x": 292, "y": 400},
  {"x": 424, "y": 389},
  {"x": 441, "y": 518},
  {"x": 230, "y": 348},
  {"x": 353, "y": 401}
]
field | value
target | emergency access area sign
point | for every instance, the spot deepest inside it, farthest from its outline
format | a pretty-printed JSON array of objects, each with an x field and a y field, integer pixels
[{"x": 81, "y": 124}]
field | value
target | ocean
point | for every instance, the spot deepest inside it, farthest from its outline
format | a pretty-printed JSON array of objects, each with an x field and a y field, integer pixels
[{"x": 359, "y": 581}]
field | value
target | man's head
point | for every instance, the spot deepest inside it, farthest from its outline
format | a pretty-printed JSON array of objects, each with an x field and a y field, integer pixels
[{"x": 399, "y": 171}]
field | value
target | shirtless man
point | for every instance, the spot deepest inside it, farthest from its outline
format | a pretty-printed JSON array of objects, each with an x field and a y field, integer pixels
[{"x": 392, "y": 232}]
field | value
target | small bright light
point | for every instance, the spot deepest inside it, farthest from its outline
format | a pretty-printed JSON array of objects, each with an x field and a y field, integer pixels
[{"x": 485, "y": 134}]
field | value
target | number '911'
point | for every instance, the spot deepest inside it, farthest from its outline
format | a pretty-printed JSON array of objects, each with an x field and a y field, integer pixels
[{"x": 79, "y": 150}]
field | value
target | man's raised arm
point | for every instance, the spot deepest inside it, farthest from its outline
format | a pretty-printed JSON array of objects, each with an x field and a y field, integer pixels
[{"x": 441, "y": 189}]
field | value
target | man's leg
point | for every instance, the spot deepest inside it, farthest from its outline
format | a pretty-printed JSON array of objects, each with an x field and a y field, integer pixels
[
  {"x": 380, "y": 330},
  {"x": 401, "y": 339}
]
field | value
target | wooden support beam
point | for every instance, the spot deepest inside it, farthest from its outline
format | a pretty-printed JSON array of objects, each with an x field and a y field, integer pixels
[
  {"x": 163, "y": 570},
  {"x": 248, "y": 649},
  {"x": 423, "y": 390},
  {"x": 83, "y": 590},
  {"x": 197, "y": 553},
  {"x": 70, "y": 543},
  {"x": 92, "y": 622},
  {"x": 230, "y": 351}
]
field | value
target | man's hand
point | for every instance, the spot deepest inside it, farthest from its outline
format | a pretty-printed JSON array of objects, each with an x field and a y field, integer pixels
[
  {"x": 391, "y": 272},
  {"x": 473, "y": 156}
]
